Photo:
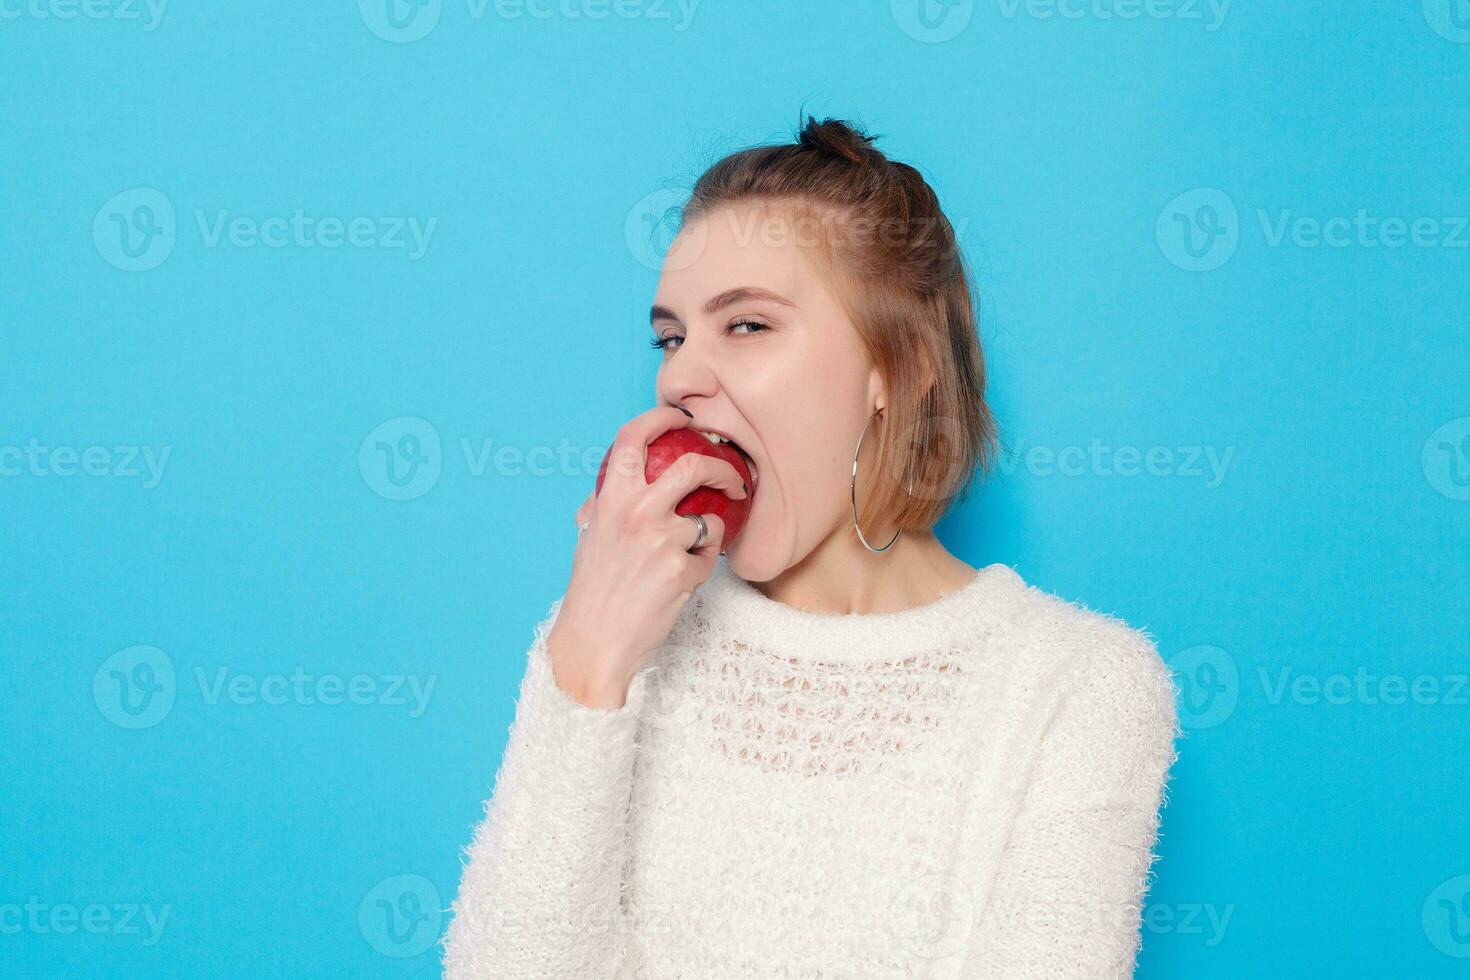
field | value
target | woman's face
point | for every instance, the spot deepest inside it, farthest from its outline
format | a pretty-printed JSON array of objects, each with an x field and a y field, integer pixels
[{"x": 759, "y": 350}]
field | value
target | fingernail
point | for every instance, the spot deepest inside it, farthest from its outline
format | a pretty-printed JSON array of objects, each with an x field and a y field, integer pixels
[{"x": 685, "y": 410}]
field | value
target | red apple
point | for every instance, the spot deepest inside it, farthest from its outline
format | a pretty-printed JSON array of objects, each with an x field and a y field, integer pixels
[{"x": 674, "y": 443}]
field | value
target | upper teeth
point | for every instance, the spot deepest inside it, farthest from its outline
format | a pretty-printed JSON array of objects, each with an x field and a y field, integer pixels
[{"x": 714, "y": 437}]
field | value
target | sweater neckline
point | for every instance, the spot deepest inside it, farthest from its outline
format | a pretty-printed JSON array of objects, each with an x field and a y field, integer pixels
[{"x": 742, "y": 612}]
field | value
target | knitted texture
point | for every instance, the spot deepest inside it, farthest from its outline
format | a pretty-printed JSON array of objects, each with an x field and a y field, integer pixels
[{"x": 969, "y": 788}]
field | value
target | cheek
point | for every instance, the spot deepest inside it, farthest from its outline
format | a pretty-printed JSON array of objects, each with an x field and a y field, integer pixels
[
  {"x": 801, "y": 403},
  {"x": 815, "y": 422},
  {"x": 814, "y": 468}
]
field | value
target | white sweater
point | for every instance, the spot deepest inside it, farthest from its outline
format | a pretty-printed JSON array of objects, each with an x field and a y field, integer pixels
[{"x": 969, "y": 788}]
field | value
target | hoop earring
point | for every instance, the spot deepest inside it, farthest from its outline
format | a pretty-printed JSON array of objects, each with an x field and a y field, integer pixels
[{"x": 909, "y": 489}]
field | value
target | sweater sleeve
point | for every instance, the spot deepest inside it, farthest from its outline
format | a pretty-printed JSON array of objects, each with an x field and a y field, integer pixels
[
  {"x": 1068, "y": 896},
  {"x": 540, "y": 892}
]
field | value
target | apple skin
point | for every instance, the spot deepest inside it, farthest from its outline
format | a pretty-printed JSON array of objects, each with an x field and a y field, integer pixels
[{"x": 674, "y": 443}]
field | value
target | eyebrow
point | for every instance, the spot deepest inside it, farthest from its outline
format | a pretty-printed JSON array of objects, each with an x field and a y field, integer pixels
[{"x": 737, "y": 295}]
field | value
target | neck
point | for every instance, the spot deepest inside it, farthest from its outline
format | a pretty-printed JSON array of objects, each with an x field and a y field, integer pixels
[{"x": 842, "y": 576}]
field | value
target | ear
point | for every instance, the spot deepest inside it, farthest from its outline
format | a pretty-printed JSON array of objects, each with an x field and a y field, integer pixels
[
  {"x": 877, "y": 394},
  {"x": 927, "y": 374}
]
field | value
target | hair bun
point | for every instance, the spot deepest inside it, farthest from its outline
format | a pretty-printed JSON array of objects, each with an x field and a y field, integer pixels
[{"x": 840, "y": 138}]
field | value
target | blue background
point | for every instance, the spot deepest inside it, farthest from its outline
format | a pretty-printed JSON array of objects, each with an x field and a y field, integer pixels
[{"x": 1074, "y": 153}]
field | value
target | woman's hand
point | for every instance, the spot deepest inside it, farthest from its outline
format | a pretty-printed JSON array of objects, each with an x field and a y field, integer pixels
[{"x": 632, "y": 571}]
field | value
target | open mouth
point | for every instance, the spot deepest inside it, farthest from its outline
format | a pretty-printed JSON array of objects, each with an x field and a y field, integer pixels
[{"x": 717, "y": 439}]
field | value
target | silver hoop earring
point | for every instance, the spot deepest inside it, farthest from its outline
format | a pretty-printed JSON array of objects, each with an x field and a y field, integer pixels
[{"x": 855, "y": 525}]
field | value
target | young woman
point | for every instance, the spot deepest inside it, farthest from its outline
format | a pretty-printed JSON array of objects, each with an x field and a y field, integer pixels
[{"x": 834, "y": 749}]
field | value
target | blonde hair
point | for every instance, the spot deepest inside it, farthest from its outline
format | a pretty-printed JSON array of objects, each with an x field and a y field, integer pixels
[{"x": 895, "y": 263}]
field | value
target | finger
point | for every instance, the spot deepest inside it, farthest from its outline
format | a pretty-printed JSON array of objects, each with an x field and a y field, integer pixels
[
  {"x": 628, "y": 456},
  {"x": 584, "y": 512},
  {"x": 695, "y": 470},
  {"x": 714, "y": 543}
]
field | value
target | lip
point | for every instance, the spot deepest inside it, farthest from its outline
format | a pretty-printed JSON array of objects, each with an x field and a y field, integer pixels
[{"x": 739, "y": 448}]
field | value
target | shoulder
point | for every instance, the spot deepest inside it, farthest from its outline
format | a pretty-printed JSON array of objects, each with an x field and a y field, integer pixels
[{"x": 1088, "y": 654}]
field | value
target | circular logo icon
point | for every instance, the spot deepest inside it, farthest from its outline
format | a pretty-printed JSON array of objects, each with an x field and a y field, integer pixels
[
  {"x": 400, "y": 21},
  {"x": 667, "y": 701},
  {"x": 135, "y": 230},
  {"x": 401, "y": 459},
  {"x": 1446, "y": 917},
  {"x": 135, "y": 687},
  {"x": 929, "y": 438},
  {"x": 1199, "y": 230},
  {"x": 933, "y": 916},
  {"x": 1206, "y": 685},
  {"x": 932, "y": 21},
  {"x": 651, "y": 227},
  {"x": 400, "y": 916},
  {"x": 1449, "y": 18},
  {"x": 1446, "y": 459}
]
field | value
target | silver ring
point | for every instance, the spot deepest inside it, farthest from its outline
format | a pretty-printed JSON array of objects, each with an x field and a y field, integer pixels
[
  {"x": 581, "y": 528},
  {"x": 703, "y": 530}
]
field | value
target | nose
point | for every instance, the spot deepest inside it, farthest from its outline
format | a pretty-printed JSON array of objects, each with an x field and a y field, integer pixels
[{"x": 687, "y": 377}]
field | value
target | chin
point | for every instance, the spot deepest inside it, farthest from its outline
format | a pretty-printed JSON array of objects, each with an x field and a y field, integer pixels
[
  {"x": 754, "y": 559},
  {"x": 766, "y": 544},
  {"x": 750, "y": 573}
]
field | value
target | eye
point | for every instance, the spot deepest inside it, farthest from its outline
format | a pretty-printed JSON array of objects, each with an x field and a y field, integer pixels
[{"x": 662, "y": 343}]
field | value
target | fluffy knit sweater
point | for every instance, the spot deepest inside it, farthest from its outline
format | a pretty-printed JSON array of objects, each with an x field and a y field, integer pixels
[{"x": 968, "y": 788}]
